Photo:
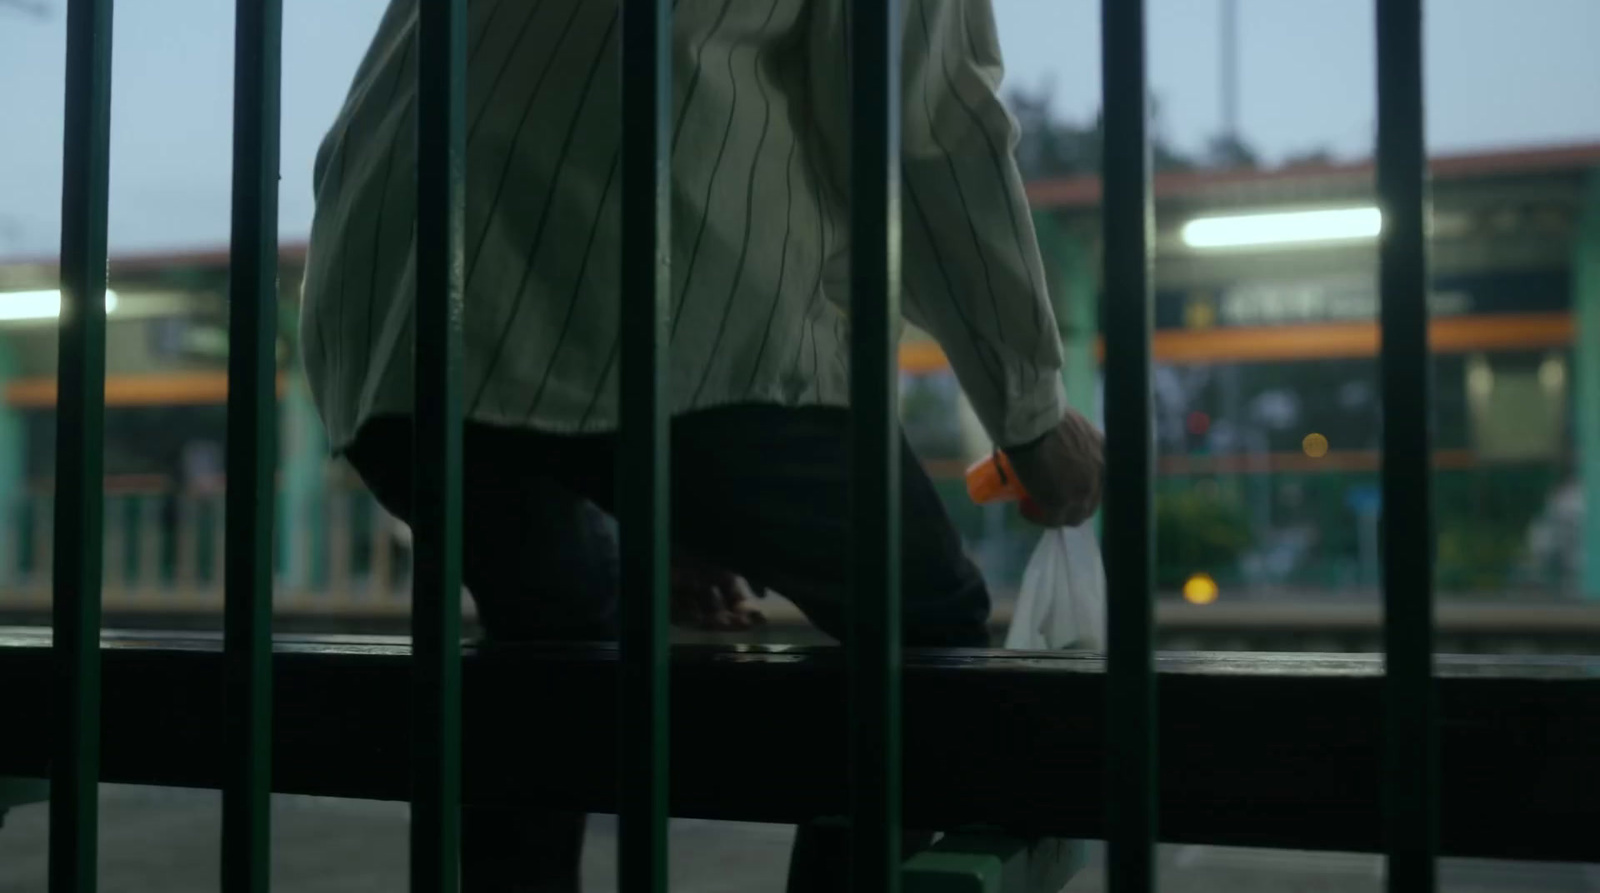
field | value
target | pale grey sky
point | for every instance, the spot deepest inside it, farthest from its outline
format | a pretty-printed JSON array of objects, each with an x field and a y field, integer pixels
[{"x": 1500, "y": 73}]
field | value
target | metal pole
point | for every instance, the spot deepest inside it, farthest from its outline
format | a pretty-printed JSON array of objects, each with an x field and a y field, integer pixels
[
  {"x": 874, "y": 645},
  {"x": 644, "y": 458},
  {"x": 436, "y": 592},
  {"x": 1230, "y": 69},
  {"x": 1128, "y": 518},
  {"x": 252, "y": 446},
  {"x": 80, "y": 416},
  {"x": 1586, "y": 381},
  {"x": 1410, "y": 775}
]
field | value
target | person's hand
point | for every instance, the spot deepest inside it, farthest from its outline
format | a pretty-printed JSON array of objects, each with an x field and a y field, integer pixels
[
  {"x": 1062, "y": 472},
  {"x": 709, "y": 598}
]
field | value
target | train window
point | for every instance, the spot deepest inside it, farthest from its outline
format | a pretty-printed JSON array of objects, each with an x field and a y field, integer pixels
[{"x": 1518, "y": 405}]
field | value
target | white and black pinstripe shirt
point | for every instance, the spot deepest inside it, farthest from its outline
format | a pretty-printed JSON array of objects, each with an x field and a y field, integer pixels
[{"x": 760, "y": 261}]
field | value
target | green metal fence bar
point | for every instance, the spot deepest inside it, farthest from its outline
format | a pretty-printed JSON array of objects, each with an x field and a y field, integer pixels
[
  {"x": 252, "y": 445},
  {"x": 643, "y": 461},
  {"x": 1410, "y": 767},
  {"x": 80, "y": 415},
  {"x": 436, "y": 575},
  {"x": 1128, "y": 520},
  {"x": 874, "y": 645}
]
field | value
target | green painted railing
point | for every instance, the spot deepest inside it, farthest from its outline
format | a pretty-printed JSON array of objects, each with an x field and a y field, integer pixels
[
  {"x": 874, "y": 649},
  {"x": 1410, "y": 764},
  {"x": 80, "y": 416},
  {"x": 1129, "y": 520},
  {"x": 252, "y": 445},
  {"x": 874, "y": 643},
  {"x": 643, "y": 458},
  {"x": 436, "y": 525}
]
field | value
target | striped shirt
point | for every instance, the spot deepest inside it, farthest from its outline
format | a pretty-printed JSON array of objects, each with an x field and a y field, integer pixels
[{"x": 760, "y": 223}]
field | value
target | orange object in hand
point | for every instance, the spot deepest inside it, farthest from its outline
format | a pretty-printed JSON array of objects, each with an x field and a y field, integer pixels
[{"x": 993, "y": 480}]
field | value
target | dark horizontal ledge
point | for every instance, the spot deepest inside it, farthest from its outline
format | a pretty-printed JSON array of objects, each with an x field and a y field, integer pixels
[{"x": 1272, "y": 750}]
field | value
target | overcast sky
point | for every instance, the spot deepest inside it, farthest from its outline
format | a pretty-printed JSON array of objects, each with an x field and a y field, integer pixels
[{"x": 1500, "y": 74}]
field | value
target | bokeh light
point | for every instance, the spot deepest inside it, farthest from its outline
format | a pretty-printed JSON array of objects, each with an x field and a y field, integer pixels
[{"x": 1200, "y": 589}]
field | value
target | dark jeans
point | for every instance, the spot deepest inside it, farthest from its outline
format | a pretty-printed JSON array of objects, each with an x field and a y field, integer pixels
[{"x": 762, "y": 491}]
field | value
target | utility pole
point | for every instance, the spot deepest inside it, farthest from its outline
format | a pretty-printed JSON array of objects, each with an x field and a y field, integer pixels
[{"x": 1230, "y": 70}]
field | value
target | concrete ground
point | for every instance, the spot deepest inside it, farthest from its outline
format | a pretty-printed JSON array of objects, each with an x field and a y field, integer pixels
[{"x": 159, "y": 839}]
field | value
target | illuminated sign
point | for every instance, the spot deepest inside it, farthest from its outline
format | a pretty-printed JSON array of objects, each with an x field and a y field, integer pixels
[{"x": 1335, "y": 300}]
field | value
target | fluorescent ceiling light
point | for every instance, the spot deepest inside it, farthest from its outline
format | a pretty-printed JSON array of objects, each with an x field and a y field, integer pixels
[
  {"x": 45, "y": 304},
  {"x": 1283, "y": 228}
]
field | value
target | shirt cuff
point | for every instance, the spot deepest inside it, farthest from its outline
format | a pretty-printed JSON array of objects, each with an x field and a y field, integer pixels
[{"x": 1033, "y": 411}]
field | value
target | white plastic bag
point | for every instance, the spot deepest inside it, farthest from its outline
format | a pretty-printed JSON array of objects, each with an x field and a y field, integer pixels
[{"x": 1062, "y": 604}]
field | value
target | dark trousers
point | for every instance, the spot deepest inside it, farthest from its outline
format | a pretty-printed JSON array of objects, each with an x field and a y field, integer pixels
[{"x": 761, "y": 491}]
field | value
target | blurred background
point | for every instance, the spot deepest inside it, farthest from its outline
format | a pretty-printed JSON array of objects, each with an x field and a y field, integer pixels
[{"x": 1267, "y": 390}]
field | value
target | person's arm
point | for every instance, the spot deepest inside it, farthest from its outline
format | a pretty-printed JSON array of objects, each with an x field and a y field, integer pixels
[
  {"x": 970, "y": 262},
  {"x": 971, "y": 268},
  {"x": 971, "y": 272}
]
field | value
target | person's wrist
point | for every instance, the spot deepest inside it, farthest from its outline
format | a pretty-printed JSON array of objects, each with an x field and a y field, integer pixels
[
  {"x": 1023, "y": 449},
  {"x": 1031, "y": 413}
]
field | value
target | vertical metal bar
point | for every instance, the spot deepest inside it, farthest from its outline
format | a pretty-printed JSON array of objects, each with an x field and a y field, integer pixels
[
  {"x": 1586, "y": 377},
  {"x": 218, "y": 543},
  {"x": 19, "y": 545},
  {"x": 306, "y": 547},
  {"x": 1410, "y": 747},
  {"x": 436, "y": 593},
  {"x": 186, "y": 574},
  {"x": 382, "y": 564},
  {"x": 151, "y": 543},
  {"x": 340, "y": 546},
  {"x": 1129, "y": 531},
  {"x": 644, "y": 458},
  {"x": 43, "y": 538},
  {"x": 252, "y": 446},
  {"x": 874, "y": 646},
  {"x": 1230, "y": 70},
  {"x": 80, "y": 417},
  {"x": 113, "y": 544}
]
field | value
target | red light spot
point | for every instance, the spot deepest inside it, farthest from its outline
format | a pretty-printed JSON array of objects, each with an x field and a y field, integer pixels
[{"x": 1199, "y": 423}]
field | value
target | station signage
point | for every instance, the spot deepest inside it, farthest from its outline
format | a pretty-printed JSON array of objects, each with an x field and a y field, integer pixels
[{"x": 1354, "y": 299}]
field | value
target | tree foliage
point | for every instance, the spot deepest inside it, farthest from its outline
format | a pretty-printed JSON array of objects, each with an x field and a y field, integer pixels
[{"x": 1051, "y": 146}]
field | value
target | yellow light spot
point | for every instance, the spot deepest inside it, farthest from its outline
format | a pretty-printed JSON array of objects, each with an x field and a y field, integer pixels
[
  {"x": 1200, "y": 589},
  {"x": 1315, "y": 445},
  {"x": 1200, "y": 313}
]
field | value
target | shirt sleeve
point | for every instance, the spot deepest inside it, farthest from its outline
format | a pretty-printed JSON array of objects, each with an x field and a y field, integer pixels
[
  {"x": 971, "y": 272},
  {"x": 970, "y": 268}
]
